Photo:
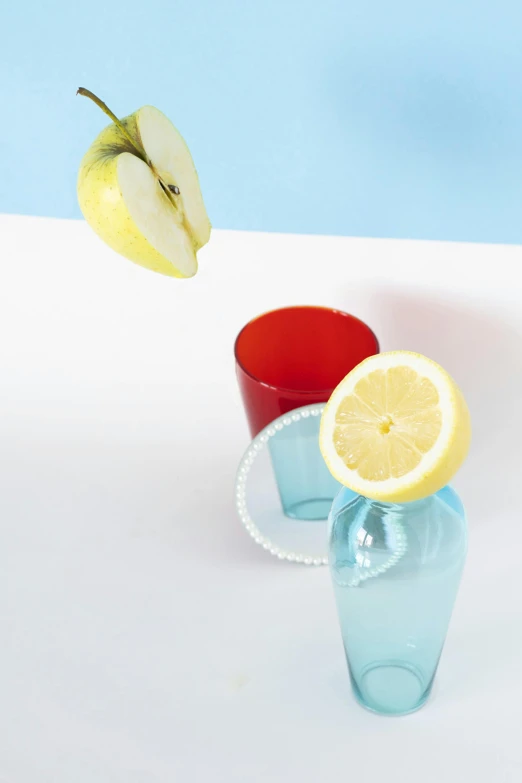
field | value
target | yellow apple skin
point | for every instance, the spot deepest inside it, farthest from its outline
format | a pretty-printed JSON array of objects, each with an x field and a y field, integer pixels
[{"x": 103, "y": 206}]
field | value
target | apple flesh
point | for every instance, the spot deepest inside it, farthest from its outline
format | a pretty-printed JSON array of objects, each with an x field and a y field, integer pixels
[{"x": 139, "y": 191}]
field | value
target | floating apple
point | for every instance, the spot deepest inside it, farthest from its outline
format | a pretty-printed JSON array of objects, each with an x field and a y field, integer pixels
[{"x": 139, "y": 190}]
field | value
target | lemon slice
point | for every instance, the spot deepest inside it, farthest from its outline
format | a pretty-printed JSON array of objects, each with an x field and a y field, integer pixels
[{"x": 396, "y": 429}]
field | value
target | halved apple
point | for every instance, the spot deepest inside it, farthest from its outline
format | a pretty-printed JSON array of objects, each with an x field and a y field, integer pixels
[{"x": 139, "y": 191}]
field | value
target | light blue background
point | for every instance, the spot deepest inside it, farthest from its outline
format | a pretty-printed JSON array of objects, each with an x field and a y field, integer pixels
[{"x": 376, "y": 118}]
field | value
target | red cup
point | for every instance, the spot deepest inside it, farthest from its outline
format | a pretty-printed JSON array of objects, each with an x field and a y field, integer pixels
[{"x": 296, "y": 356}]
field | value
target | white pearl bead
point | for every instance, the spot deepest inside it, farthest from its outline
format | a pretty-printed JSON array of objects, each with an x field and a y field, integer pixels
[{"x": 241, "y": 489}]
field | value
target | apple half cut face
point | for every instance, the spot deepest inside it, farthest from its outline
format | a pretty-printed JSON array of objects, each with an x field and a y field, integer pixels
[{"x": 151, "y": 211}]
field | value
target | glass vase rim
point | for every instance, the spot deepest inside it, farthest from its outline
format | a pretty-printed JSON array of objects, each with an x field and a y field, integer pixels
[{"x": 394, "y": 505}]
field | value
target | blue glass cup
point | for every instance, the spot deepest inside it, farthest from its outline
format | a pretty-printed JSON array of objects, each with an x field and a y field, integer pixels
[
  {"x": 396, "y": 570},
  {"x": 306, "y": 486},
  {"x": 288, "y": 359}
]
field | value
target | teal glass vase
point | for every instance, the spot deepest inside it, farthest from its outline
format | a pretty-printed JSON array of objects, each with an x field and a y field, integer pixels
[{"x": 396, "y": 570}]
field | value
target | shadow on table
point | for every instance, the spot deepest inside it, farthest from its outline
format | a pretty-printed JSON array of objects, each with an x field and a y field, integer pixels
[{"x": 484, "y": 355}]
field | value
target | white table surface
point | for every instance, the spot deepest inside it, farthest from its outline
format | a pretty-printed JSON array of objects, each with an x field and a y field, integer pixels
[{"x": 146, "y": 638}]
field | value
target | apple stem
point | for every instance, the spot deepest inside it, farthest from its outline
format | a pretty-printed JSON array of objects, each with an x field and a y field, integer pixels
[{"x": 103, "y": 106}]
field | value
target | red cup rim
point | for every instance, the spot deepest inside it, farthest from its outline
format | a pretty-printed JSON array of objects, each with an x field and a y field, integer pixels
[{"x": 298, "y": 392}]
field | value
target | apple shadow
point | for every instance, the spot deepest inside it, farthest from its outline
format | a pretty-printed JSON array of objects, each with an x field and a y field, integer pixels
[{"x": 484, "y": 355}]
